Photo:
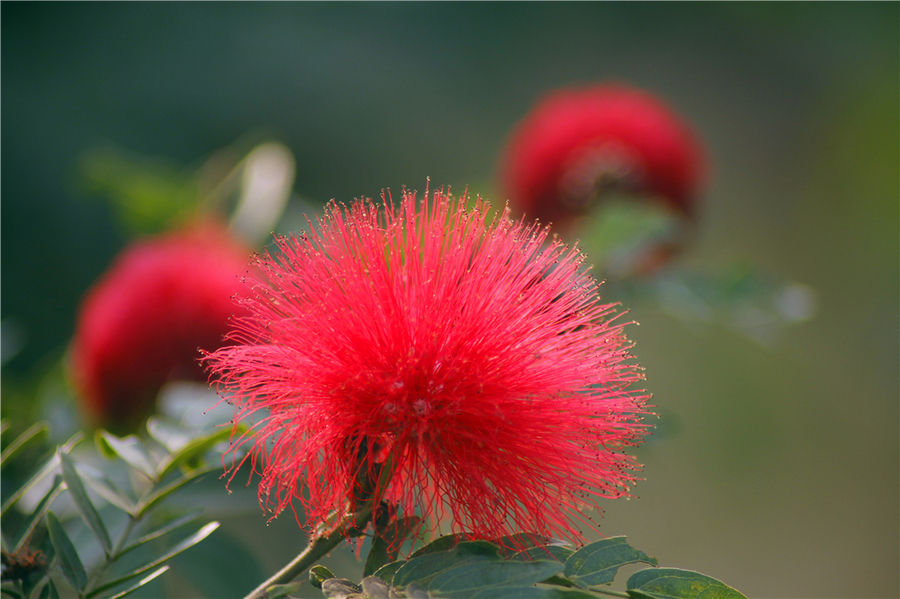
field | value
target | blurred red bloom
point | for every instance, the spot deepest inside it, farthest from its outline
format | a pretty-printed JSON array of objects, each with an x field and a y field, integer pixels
[
  {"x": 471, "y": 357},
  {"x": 143, "y": 322},
  {"x": 578, "y": 143}
]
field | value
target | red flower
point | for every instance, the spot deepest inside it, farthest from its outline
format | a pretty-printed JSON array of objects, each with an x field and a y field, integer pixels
[
  {"x": 577, "y": 143},
  {"x": 143, "y": 322},
  {"x": 472, "y": 359}
]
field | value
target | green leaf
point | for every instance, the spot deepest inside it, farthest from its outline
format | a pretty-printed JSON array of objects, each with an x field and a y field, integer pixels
[
  {"x": 54, "y": 594},
  {"x": 478, "y": 549},
  {"x": 83, "y": 502},
  {"x": 422, "y": 569},
  {"x": 386, "y": 572},
  {"x": 106, "y": 489},
  {"x": 375, "y": 588},
  {"x": 183, "y": 545},
  {"x": 45, "y": 592},
  {"x": 66, "y": 555},
  {"x": 140, "y": 583},
  {"x": 597, "y": 563},
  {"x": 46, "y": 546},
  {"x": 468, "y": 579},
  {"x": 155, "y": 498},
  {"x": 34, "y": 433},
  {"x": 194, "y": 448},
  {"x": 557, "y": 552},
  {"x": 162, "y": 530},
  {"x": 533, "y": 592},
  {"x": 318, "y": 575},
  {"x": 560, "y": 581},
  {"x": 47, "y": 469},
  {"x": 673, "y": 583},
  {"x": 10, "y": 593},
  {"x": 43, "y": 505},
  {"x": 387, "y": 542},
  {"x": 523, "y": 541},
  {"x": 276, "y": 591},
  {"x": 340, "y": 588},
  {"x": 168, "y": 434},
  {"x": 378, "y": 556},
  {"x": 104, "y": 448},
  {"x": 130, "y": 449},
  {"x": 443, "y": 543}
]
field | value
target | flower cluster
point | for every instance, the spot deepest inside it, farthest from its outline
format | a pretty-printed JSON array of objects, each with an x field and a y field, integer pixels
[
  {"x": 433, "y": 356},
  {"x": 579, "y": 143},
  {"x": 143, "y": 322}
]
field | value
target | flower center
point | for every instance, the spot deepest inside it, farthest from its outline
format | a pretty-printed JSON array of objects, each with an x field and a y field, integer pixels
[{"x": 420, "y": 407}]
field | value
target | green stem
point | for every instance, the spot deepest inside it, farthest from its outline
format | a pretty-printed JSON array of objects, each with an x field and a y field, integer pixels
[
  {"x": 316, "y": 549},
  {"x": 113, "y": 555}
]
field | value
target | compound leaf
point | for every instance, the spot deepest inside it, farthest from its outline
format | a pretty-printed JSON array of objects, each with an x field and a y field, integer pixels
[{"x": 183, "y": 545}]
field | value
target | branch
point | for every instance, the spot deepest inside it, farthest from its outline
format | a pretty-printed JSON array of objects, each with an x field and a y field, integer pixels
[{"x": 316, "y": 549}]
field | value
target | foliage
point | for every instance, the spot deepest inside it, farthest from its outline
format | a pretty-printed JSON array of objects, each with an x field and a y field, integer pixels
[
  {"x": 135, "y": 533},
  {"x": 525, "y": 566}
]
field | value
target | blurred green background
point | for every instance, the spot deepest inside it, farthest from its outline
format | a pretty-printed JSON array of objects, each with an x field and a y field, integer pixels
[{"x": 777, "y": 468}]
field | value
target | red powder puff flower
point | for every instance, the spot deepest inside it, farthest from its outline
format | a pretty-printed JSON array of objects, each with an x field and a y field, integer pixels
[
  {"x": 578, "y": 143},
  {"x": 471, "y": 358},
  {"x": 143, "y": 322}
]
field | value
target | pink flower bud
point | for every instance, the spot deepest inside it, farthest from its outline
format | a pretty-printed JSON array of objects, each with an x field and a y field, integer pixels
[
  {"x": 143, "y": 323},
  {"x": 579, "y": 143}
]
